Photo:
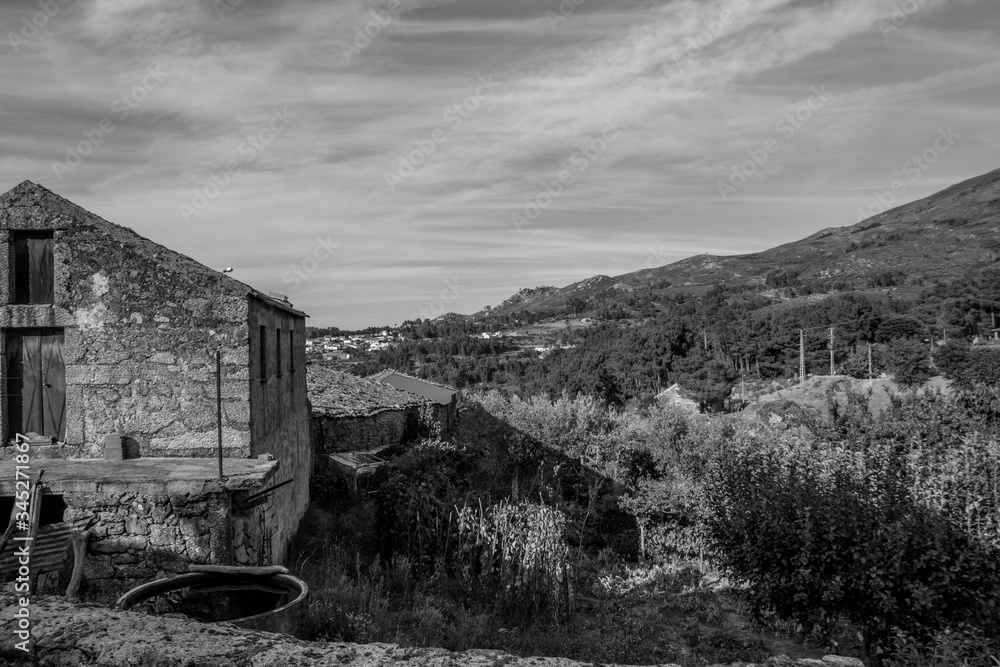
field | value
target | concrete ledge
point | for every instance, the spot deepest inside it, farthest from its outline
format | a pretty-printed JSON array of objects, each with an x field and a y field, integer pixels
[
  {"x": 194, "y": 476},
  {"x": 73, "y": 634}
]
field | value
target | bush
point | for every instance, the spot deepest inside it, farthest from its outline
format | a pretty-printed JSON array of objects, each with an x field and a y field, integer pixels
[
  {"x": 819, "y": 534},
  {"x": 969, "y": 366},
  {"x": 908, "y": 361}
]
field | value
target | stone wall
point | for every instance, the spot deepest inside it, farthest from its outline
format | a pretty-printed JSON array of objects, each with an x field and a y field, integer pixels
[
  {"x": 142, "y": 324},
  {"x": 139, "y": 537},
  {"x": 331, "y": 435},
  {"x": 279, "y": 417}
]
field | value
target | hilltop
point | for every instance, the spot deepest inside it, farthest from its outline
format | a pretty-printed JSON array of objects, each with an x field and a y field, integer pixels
[{"x": 941, "y": 237}]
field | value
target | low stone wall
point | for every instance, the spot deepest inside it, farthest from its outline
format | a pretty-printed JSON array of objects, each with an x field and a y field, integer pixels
[
  {"x": 331, "y": 435},
  {"x": 69, "y": 634},
  {"x": 138, "y": 538},
  {"x": 154, "y": 517}
]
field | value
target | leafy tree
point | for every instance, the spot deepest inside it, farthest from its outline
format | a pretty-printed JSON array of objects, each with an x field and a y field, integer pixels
[
  {"x": 901, "y": 326},
  {"x": 908, "y": 361}
]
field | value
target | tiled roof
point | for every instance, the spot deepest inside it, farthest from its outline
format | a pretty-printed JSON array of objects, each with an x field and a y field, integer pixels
[
  {"x": 337, "y": 394},
  {"x": 432, "y": 392}
]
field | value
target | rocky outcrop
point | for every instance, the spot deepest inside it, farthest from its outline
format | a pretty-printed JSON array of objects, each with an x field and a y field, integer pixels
[{"x": 72, "y": 634}]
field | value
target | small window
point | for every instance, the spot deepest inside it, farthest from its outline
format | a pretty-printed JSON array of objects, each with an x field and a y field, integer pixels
[
  {"x": 291, "y": 350},
  {"x": 263, "y": 354},
  {"x": 277, "y": 352},
  {"x": 32, "y": 273}
]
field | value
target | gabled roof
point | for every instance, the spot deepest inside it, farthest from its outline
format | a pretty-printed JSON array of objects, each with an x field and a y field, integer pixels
[
  {"x": 30, "y": 206},
  {"x": 676, "y": 391},
  {"x": 432, "y": 392},
  {"x": 334, "y": 393}
]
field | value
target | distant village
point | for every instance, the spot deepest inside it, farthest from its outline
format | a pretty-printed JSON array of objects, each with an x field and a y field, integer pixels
[{"x": 348, "y": 347}]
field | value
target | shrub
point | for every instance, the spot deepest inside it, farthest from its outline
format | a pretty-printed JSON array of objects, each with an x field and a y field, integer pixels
[
  {"x": 908, "y": 361},
  {"x": 820, "y": 534}
]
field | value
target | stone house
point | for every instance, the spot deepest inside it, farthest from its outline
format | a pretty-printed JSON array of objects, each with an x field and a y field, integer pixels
[
  {"x": 675, "y": 395},
  {"x": 444, "y": 400},
  {"x": 105, "y": 333},
  {"x": 352, "y": 414}
]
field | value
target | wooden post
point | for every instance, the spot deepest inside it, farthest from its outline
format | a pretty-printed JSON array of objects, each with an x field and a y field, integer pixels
[
  {"x": 78, "y": 540},
  {"x": 802, "y": 355},
  {"x": 831, "y": 350},
  {"x": 218, "y": 404},
  {"x": 869, "y": 361},
  {"x": 34, "y": 520}
]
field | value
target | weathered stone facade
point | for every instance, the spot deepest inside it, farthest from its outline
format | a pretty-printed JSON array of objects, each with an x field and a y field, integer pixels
[
  {"x": 352, "y": 414},
  {"x": 153, "y": 517},
  {"x": 279, "y": 417},
  {"x": 332, "y": 435},
  {"x": 138, "y": 328}
]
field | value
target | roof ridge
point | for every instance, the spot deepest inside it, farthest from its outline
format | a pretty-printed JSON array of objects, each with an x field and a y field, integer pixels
[
  {"x": 413, "y": 377},
  {"x": 34, "y": 194}
]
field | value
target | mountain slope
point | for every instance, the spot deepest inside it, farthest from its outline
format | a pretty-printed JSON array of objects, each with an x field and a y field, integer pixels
[{"x": 940, "y": 237}]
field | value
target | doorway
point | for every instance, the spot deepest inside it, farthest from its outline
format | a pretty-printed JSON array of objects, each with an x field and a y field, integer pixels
[{"x": 36, "y": 382}]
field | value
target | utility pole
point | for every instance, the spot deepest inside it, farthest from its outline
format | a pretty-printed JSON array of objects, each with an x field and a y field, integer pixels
[
  {"x": 831, "y": 350},
  {"x": 704, "y": 336},
  {"x": 869, "y": 361},
  {"x": 802, "y": 355}
]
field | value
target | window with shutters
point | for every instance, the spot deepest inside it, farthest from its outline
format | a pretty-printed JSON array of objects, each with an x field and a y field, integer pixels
[
  {"x": 263, "y": 354},
  {"x": 277, "y": 352},
  {"x": 32, "y": 273}
]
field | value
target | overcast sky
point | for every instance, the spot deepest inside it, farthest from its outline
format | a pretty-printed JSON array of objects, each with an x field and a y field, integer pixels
[{"x": 440, "y": 155}]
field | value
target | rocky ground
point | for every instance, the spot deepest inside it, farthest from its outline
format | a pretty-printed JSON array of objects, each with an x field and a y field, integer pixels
[{"x": 88, "y": 635}]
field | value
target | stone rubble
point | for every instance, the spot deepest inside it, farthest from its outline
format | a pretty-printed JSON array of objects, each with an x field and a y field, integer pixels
[{"x": 90, "y": 636}]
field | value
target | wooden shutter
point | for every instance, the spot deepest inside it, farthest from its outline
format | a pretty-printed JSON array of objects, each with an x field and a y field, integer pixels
[
  {"x": 40, "y": 274},
  {"x": 42, "y": 392},
  {"x": 31, "y": 388},
  {"x": 15, "y": 381},
  {"x": 32, "y": 277},
  {"x": 54, "y": 386}
]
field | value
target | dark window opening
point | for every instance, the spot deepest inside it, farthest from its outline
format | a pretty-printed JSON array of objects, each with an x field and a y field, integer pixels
[
  {"x": 291, "y": 351},
  {"x": 263, "y": 353},
  {"x": 32, "y": 272},
  {"x": 277, "y": 352},
  {"x": 53, "y": 509}
]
